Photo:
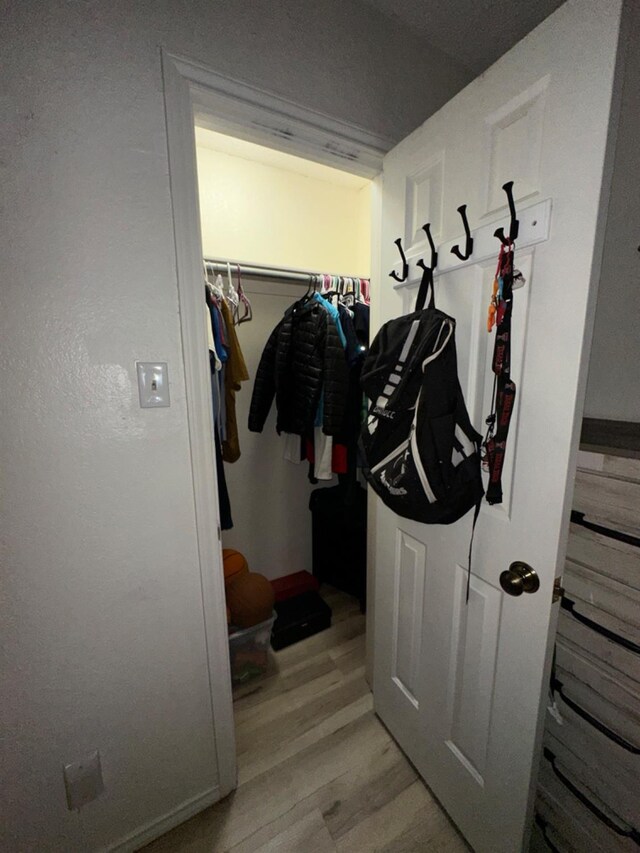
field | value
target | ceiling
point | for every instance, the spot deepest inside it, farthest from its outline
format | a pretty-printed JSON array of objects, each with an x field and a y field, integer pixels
[{"x": 473, "y": 32}]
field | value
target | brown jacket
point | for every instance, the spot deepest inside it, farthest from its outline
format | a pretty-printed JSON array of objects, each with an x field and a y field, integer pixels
[{"x": 235, "y": 373}]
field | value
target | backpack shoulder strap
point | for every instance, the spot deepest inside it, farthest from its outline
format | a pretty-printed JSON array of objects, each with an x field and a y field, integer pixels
[{"x": 426, "y": 289}]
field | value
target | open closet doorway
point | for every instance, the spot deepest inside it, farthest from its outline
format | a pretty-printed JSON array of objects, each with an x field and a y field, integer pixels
[
  {"x": 283, "y": 237},
  {"x": 287, "y": 247},
  {"x": 275, "y": 227}
]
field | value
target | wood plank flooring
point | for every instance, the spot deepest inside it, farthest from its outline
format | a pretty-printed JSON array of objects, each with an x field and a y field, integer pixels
[{"x": 317, "y": 771}]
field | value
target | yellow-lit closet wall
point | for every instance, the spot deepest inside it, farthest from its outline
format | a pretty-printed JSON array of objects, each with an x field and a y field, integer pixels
[{"x": 266, "y": 207}]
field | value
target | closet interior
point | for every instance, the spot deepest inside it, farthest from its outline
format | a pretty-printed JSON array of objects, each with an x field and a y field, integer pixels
[{"x": 286, "y": 245}]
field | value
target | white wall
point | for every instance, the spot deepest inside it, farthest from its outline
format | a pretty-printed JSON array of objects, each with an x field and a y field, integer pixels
[
  {"x": 363, "y": 218},
  {"x": 613, "y": 388},
  {"x": 283, "y": 213},
  {"x": 102, "y": 628},
  {"x": 269, "y": 496}
]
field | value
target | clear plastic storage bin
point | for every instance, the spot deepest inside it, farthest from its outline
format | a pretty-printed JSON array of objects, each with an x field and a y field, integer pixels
[{"x": 249, "y": 651}]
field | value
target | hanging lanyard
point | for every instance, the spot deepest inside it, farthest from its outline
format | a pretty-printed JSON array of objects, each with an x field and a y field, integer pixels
[{"x": 504, "y": 388}]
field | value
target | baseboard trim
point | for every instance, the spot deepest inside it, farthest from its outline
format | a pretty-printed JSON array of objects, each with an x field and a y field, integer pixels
[
  {"x": 156, "y": 828},
  {"x": 616, "y": 438}
]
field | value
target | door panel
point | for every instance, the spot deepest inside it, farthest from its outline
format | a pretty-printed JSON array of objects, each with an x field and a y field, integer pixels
[
  {"x": 410, "y": 568},
  {"x": 513, "y": 138},
  {"x": 459, "y": 683},
  {"x": 423, "y": 192},
  {"x": 474, "y": 646}
]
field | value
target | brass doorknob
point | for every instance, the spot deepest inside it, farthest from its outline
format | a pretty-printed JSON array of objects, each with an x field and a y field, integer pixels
[{"x": 519, "y": 578}]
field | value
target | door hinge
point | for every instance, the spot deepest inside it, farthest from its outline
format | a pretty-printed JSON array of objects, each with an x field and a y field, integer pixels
[
  {"x": 558, "y": 590},
  {"x": 220, "y": 536}
]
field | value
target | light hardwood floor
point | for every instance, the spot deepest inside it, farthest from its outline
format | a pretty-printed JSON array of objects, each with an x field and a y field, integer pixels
[{"x": 317, "y": 771}]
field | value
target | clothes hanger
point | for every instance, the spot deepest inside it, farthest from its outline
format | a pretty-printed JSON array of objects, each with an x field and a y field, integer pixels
[
  {"x": 346, "y": 289},
  {"x": 335, "y": 285},
  {"x": 248, "y": 310},
  {"x": 343, "y": 292},
  {"x": 349, "y": 297},
  {"x": 216, "y": 286},
  {"x": 314, "y": 286},
  {"x": 230, "y": 294},
  {"x": 312, "y": 283},
  {"x": 209, "y": 286},
  {"x": 308, "y": 294}
]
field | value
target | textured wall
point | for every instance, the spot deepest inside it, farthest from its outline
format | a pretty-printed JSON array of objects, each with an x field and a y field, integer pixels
[
  {"x": 613, "y": 389},
  {"x": 102, "y": 628}
]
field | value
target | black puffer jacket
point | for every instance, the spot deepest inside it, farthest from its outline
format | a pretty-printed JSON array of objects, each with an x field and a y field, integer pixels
[{"x": 303, "y": 356}]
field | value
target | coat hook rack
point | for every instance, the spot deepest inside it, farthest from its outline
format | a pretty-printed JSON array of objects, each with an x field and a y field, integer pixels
[
  {"x": 468, "y": 246},
  {"x": 514, "y": 225},
  {"x": 405, "y": 265}
]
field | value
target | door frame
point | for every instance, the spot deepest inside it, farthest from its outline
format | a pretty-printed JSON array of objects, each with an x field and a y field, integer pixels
[{"x": 230, "y": 106}]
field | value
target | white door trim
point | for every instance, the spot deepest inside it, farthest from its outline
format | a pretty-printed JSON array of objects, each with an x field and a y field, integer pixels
[
  {"x": 233, "y": 107},
  {"x": 230, "y": 106},
  {"x": 186, "y": 224}
]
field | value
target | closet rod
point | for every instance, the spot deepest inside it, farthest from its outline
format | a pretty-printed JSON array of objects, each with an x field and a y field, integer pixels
[{"x": 255, "y": 271}]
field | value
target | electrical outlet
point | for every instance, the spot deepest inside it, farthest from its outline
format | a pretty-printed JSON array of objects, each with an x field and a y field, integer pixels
[{"x": 83, "y": 781}]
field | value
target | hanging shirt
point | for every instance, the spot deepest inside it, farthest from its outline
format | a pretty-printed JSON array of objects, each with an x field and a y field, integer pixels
[
  {"x": 292, "y": 447},
  {"x": 222, "y": 421},
  {"x": 235, "y": 372},
  {"x": 323, "y": 451},
  {"x": 210, "y": 339},
  {"x": 361, "y": 322},
  {"x": 324, "y": 443},
  {"x": 217, "y": 325},
  {"x": 333, "y": 313},
  {"x": 353, "y": 347}
]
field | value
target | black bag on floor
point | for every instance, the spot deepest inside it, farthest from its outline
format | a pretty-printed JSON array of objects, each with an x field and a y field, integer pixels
[
  {"x": 298, "y": 618},
  {"x": 339, "y": 538},
  {"x": 422, "y": 453}
]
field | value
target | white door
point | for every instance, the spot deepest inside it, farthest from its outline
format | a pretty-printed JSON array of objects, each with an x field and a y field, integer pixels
[{"x": 460, "y": 685}]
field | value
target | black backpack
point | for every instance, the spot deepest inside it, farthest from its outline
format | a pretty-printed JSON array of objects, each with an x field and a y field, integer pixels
[{"x": 422, "y": 455}]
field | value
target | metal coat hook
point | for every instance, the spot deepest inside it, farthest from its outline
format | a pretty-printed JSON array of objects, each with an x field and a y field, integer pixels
[
  {"x": 405, "y": 265},
  {"x": 434, "y": 255},
  {"x": 468, "y": 246},
  {"x": 514, "y": 225},
  {"x": 427, "y": 281}
]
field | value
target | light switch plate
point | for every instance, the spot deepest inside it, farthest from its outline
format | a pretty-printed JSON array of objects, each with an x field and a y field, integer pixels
[
  {"x": 153, "y": 384},
  {"x": 83, "y": 781}
]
